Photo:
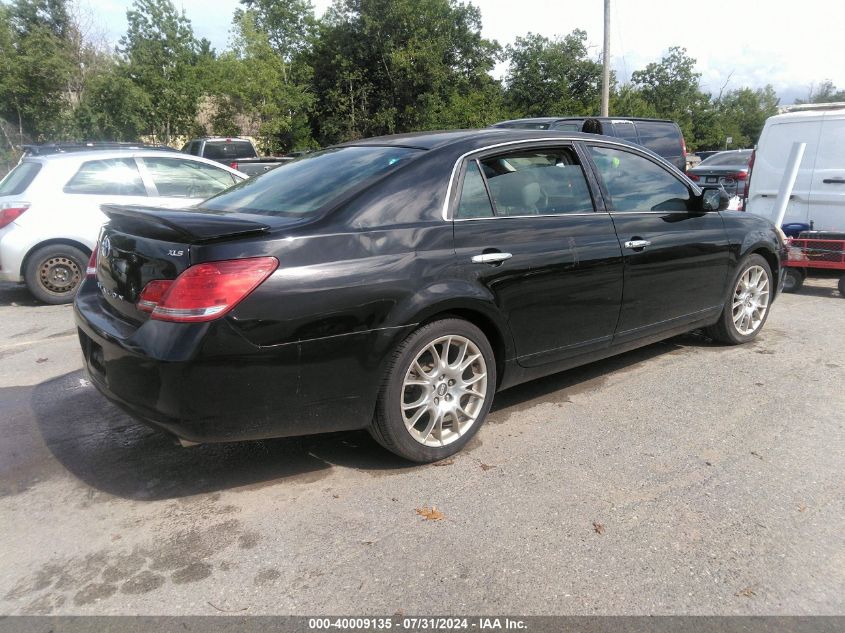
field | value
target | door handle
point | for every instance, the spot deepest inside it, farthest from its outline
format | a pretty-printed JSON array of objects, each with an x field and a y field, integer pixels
[
  {"x": 637, "y": 244},
  {"x": 834, "y": 181},
  {"x": 490, "y": 258}
]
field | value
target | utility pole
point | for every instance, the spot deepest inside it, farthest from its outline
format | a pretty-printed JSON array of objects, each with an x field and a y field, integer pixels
[{"x": 605, "y": 81}]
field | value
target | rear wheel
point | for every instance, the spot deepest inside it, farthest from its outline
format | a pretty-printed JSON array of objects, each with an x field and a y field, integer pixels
[
  {"x": 842, "y": 285},
  {"x": 437, "y": 391},
  {"x": 747, "y": 306},
  {"x": 54, "y": 273},
  {"x": 793, "y": 279}
]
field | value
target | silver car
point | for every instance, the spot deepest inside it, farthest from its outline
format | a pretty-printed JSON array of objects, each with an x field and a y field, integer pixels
[{"x": 50, "y": 207}]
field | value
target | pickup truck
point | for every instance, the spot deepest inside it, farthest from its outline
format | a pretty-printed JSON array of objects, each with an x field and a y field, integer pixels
[{"x": 237, "y": 153}]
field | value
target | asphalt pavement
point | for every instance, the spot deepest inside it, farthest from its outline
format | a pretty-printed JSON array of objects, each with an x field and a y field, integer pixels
[{"x": 682, "y": 478}]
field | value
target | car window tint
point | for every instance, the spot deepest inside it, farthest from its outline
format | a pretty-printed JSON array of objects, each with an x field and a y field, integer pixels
[
  {"x": 625, "y": 130},
  {"x": 568, "y": 126},
  {"x": 727, "y": 159},
  {"x": 307, "y": 184},
  {"x": 228, "y": 150},
  {"x": 637, "y": 184},
  {"x": 17, "y": 180},
  {"x": 474, "y": 203},
  {"x": 178, "y": 178},
  {"x": 110, "y": 177},
  {"x": 543, "y": 182},
  {"x": 660, "y": 138}
]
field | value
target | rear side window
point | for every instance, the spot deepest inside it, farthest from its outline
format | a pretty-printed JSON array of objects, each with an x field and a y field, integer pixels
[
  {"x": 541, "y": 182},
  {"x": 17, "y": 180},
  {"x": 660, "y": 138},
  {"x": 637, "y": 184},
  {"x": 110, "y": 177},
  {"x": 177, "y": 178},
  {"x": 475, "y": 203},
  {"x": 228, "y": 150},
  {"x": 307, "y": 184},
  {"x": 626, "y": 131}
]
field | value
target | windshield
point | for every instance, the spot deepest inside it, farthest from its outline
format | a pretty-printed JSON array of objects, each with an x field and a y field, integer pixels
[
  {"x": 727, "y": 159},
  {"x": 307, "y": 184},
  {"x": 17, "y": 180}
]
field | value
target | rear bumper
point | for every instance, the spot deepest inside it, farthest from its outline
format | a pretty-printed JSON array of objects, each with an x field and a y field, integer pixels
[{"x": 206, "y": 383}]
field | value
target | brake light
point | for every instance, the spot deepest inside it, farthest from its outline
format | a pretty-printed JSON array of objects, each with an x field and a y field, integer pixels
[
  {"x": 748, "y": 179},
  {"x": 12, "y": 212},
  {"x": 207, "y": 291},
  {"x": 741, "y": 175},
  {"x": 694, "y": 177},
  {"x": 91, "y": 268},
  {"x": 152, "y": 294},
  {"x": 233, "y": 164}
]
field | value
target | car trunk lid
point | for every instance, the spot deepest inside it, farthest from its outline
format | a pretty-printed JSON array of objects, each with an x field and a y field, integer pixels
[{"x": 140, "y": 244}]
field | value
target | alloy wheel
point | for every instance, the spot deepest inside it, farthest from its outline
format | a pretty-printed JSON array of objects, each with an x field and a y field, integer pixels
[{"x": 750, "y": 300}]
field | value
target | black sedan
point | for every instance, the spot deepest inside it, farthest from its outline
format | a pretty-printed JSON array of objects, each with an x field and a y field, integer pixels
[{"x": 397, "y": 283}]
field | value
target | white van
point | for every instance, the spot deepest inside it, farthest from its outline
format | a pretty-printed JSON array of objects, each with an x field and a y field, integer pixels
[{"x": 818, "y": 198}]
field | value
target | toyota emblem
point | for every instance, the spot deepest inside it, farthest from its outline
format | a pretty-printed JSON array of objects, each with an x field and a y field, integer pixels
[{"x": 105, "y": 247}]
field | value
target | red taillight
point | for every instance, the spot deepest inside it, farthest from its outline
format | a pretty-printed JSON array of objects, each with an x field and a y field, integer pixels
[
  {"x": 10, "y": 214},
  {"x": 152, "y": 294},
  {"x": 233, "y": 164},
  {"x": 694, "y": 177},
  {"x": 206, "y": 291},
  {"x": 741, "y": 175},
  {"x": 91, "y": 268}
]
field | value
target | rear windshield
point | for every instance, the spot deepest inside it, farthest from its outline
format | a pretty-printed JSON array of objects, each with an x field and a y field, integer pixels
[
  {"x": 307, "y": 184},
  {"x": 221, "y": 150},
  {"x": 17, "y": 180},
  {"x": 727, "y": 159}
]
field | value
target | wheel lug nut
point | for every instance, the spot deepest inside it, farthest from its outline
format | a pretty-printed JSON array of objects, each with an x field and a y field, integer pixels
[
  {"x": 448, "y": 398},
  {"x": 437, "y": 401},
  {"x": 451, "y": 383}
]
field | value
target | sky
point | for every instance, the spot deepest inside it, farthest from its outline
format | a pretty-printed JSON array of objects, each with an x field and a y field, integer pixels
[{"x": 736, "y": 43}]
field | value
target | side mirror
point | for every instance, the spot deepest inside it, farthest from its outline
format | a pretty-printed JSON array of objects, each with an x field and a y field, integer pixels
[{"x": 715, "y": 199}]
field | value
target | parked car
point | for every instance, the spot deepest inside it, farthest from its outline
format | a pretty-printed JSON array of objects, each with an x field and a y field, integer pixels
[
  {"x": 237, "y": 153},
  {"x": 728, "y": 169},
  {"x": 818, "y": 198},
  {"x": 661, "y": 136},
  {"x": 50, "y": 207},
  {"x": 397, "y": 283}
]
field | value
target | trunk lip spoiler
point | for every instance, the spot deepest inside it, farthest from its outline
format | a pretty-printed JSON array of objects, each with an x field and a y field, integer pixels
[{"x": 185, "y": 225}]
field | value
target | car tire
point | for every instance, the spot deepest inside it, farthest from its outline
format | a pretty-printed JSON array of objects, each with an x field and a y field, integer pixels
[
  {"x": 793, "y": 279},
  {"x": 748, "y": 303},
  {"x": 54, "y": 273},
  {"x": 841, "y": 286},
  {"x": 429, "y": 407}
]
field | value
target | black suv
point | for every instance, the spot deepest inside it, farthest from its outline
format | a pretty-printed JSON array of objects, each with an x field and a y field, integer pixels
[{"x": 661, "y": 136}]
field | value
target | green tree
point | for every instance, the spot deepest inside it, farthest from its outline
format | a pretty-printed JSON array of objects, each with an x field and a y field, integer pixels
[
  {"x": 36, "y": 65},
  {"x": 742, "y": 114},
  {"x": 160, "y": 56},
  {"x": 385, "y": 66},
  {"x": 553, "y": 77},
  {"x": 671, "y": 88},
  {"x": 254, "y": 92},
  {"x": 826, "y": 92}
]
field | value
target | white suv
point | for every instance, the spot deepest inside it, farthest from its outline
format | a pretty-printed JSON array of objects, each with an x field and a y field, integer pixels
[{"x": 50, "y": 207}]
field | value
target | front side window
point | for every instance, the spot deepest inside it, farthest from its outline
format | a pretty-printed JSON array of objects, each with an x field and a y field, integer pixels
[
  {"x": 539, "y": 182},
  {"x": 637, "y": 184},
  {"x": 177, "y": 178},
  {"x": 110, "y": 177}
]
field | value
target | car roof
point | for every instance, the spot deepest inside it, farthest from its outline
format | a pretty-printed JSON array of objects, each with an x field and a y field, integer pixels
[
  {"x": 553, "y": 119},
  {"x": 103, "y": 153},
  {"x": 436, "y": 140}
]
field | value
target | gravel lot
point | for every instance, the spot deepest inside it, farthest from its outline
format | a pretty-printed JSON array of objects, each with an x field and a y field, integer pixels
[{"x": 685, "y": 477}]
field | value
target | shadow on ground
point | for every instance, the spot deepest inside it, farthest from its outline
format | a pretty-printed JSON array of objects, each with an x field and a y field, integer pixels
[
  {"x": 12, "y": 294},
  {"x": 111, "y": 452}
]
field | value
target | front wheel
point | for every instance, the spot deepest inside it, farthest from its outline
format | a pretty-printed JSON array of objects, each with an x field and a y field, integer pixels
[
  {"x": 747, "y": 306},
  {"x": 437, "y": 391},
  {"x": 54, "y": 273}
]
